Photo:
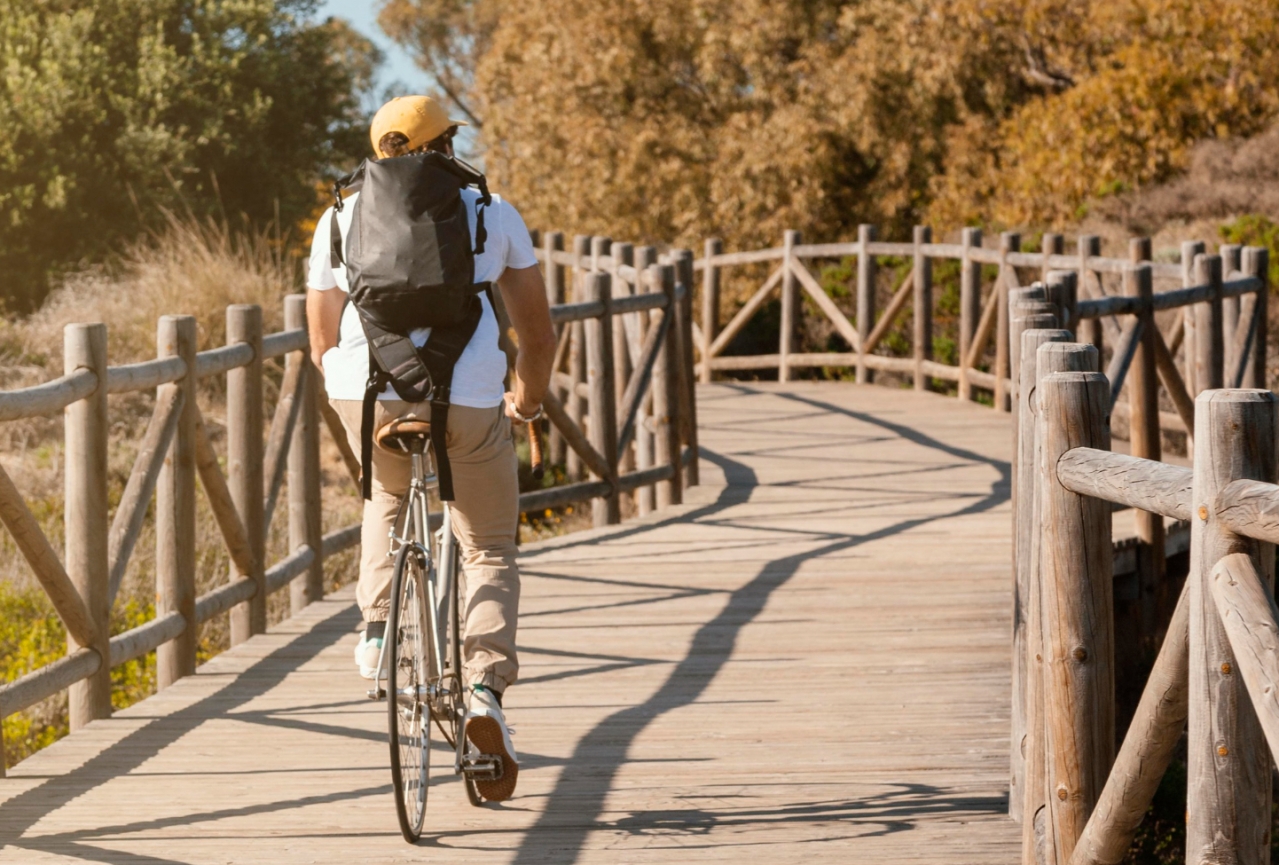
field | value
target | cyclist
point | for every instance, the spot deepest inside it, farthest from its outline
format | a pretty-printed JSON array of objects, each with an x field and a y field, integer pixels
[{"x": 478, "y": 438}]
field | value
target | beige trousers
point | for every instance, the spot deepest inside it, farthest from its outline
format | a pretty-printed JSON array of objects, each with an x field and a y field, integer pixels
[{"x": 485, "y": 519}]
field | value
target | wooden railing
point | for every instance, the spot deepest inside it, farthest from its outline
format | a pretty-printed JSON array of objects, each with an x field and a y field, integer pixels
[
  {"x": 640, "y": 411},
  {"x": 174, "y": 449},
  {"x": 1218, "y": 667},
  {"x": 623, "y": 372},
  {"x": 986, "y": 314}
]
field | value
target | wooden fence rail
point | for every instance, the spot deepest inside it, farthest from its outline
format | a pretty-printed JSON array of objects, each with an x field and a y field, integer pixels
[
  {"x": 1216, "y": 338},
  {"x": 622, "y": 406},
  {"x": 1217, "y": 672},
  {"x": 653, "y": 414}
]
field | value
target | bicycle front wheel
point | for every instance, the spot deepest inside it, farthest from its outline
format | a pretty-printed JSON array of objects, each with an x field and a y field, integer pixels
[{"x": 408, "y": 716}]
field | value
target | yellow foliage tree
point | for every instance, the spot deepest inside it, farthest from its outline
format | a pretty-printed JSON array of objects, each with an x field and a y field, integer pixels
[{"x": 666, "y": 120}]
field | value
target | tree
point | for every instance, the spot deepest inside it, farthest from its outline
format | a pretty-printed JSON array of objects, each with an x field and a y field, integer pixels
[
  {"x": 670, "y": 121},
  {"x": 115, "y": 110}
]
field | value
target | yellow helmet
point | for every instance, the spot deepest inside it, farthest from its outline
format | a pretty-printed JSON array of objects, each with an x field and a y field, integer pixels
[{"x": 420, "y": 118}]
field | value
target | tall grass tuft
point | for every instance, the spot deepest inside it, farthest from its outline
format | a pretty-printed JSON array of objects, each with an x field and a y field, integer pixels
[{"x": 190, "y": 267}]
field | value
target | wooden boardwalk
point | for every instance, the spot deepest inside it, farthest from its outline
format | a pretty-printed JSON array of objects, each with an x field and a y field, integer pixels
[{"x": 807, "y": 662}]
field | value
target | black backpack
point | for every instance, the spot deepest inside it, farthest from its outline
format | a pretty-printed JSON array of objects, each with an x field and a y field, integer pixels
[{"x": 410, "y": 264}]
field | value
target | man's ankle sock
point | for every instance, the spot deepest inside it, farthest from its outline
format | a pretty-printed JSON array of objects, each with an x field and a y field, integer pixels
[
  {"x": 374, "y": 630},
  {"x": 497, "y": 695}
]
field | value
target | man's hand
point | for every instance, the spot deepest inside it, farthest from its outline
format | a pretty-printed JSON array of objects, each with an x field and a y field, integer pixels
[
  {"x": 323, "y": 315},
  {"x": 524, "y": 294}
]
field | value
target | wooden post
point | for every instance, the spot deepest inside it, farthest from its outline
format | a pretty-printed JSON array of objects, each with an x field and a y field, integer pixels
[
  {"x": 1228, "y": 764},
  {"x": 1041, "y": 357},
  {"x": 1009, "y": 241},
  {"x": 87, "y": 526},
  {"x": 865, "y": 298},
  {"x": 175, "y": 555},
  {"x": 923, "y": 334},
  {"x": 603, "y": 401},
  {"x": 1256, "y": 263},
  {"x": 1062, "y": 291},
  {"x": 1052, "y": 244},
  {"x": 244, "y": 461},
  {"x": 1210, "y": 354},
  {"x": 645, "y": 256},
  {"x": 622, "y": 254},
  {"x": 790, "y": 307},
  {"x": 1189, "y": 250},
  {"x": 600, "y": 247},
  {"x": 1231, "y": 262},
  {"x": 710, "y": 304},
  {"x": 576, "y": 354},
  {"x": 1146, "y": 442},
  {"x": 553, "y": 242},
  {"x": 1078, "y": 623},
  {"x": 305, "y": 506},
  {"x": 683, "y": 259},
  {"x": 969, "y": 305},
  {"x": 1023, "y": 526},
  {"x": 1018, "y": 307},
  {"x": 666, "y": 396}
]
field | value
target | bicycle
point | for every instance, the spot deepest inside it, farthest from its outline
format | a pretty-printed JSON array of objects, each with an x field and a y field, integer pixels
[{"x": 421, "y": 658}]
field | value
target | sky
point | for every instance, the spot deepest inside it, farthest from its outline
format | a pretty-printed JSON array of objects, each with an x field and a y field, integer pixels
[{"x": 399, "y": 67}]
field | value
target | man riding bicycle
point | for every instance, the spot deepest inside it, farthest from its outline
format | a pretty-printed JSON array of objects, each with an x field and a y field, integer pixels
[{"x": 478, "y": 441}]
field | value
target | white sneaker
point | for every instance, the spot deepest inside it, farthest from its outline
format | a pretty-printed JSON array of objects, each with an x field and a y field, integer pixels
[
  {"x": 367, "y": 654},
  {"x": 487, "y": 730}
]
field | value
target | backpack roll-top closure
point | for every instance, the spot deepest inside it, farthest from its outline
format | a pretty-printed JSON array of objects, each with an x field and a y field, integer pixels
[{"x": 409, "y": 246}]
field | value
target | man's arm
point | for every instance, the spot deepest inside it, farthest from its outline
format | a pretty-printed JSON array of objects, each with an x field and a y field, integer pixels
[
  {"x": 524, "y": 294},
  {"x": 323, "y": 315}
]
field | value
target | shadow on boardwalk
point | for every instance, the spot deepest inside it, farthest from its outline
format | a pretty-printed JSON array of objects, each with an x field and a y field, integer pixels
[
  {"x": 589, "y": 774},
  {"x": 669, "y": 682}
]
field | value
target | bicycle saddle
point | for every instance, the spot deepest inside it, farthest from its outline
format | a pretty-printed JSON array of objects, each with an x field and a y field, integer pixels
[{"x": 402, "y": 434}]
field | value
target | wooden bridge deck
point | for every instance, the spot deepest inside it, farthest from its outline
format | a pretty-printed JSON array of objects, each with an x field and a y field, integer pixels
[{"x": 809, "y": 662}]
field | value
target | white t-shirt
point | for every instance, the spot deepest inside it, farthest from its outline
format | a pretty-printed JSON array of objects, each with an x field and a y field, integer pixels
[{"x": 480, "y": 371}]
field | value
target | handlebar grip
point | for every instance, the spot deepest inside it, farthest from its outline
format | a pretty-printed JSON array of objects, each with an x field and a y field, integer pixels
[{"x": 535, "y": 449}]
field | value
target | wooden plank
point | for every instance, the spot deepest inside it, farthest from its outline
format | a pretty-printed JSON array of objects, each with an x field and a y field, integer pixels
[
  {"x": 903, "y": 295},
  {"x": 1134, "y": 482},
  {"x": 1079, "y": 710},
  {"x": 145, "y": 375},
  {"x": 175, "y": 501},
  {"x": 1148, "y": 748},
  {"x": 842, "y": 325},
  {"x": 132, "y": 509},
  {"x": 1251, "y": 621},
  {"x": 48, "y": 398},
  {"x": 85, "y": 504},
  {"x": 744, "y": 314},
  {"x": 1228, "y": 786},
  {"x": 801, "y": 558},
  {"x": 44, "y": 562},
  {"x": 220, "y": 502},
  {"x": 244, "y": 462}
]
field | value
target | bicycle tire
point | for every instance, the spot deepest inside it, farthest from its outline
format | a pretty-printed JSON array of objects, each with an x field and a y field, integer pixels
[
  {"x": 406, "y": 670},
  {"x": 455, "y": 647}
]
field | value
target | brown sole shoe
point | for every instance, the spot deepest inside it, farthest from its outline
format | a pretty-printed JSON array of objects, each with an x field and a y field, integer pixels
[{"x": 486, "y": 735}]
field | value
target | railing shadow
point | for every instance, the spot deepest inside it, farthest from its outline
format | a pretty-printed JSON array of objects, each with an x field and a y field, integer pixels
[{"x": 574, "y": 805}]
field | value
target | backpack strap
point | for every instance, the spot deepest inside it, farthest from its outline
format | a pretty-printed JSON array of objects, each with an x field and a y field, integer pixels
[
  {"x": 440, "y": 355},
  {"x": 335, "y": 241},
  {"x": 377, "y": 383},
  {"x": 417, "y": 375}
]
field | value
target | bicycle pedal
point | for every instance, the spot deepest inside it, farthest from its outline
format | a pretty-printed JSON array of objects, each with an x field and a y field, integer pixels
[
  {"x": 482, "y": 767},
  {"x": 376, "y": 694}
]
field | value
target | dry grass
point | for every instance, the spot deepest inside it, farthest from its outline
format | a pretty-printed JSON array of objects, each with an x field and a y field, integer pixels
[{"x": 196, "y": 268}]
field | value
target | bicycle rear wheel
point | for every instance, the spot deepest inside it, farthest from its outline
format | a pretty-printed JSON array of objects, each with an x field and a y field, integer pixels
[
  {"x": 456, "y": 661},
  {"x": 408, "y": 718}
]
